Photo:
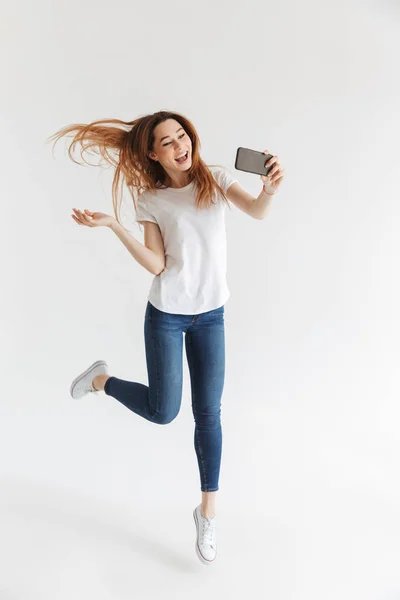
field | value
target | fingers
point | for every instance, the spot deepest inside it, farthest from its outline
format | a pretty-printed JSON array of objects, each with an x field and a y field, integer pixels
[
  {"x": 77, "y": 217},
  {"x": 81, "y": 218},
  {"x": 272, "y": 160},
  {"x": 277, "y": 170},
  {"x": 274, "y": 175}
]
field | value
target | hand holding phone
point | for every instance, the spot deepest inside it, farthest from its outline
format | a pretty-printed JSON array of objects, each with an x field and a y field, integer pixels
[{"x": 252, "y": 161}]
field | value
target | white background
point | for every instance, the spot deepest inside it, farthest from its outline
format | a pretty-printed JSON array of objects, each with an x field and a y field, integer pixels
[{"x": 96, "y": 502}]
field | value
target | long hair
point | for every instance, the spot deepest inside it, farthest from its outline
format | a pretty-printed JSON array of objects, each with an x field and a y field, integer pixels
[{"x": 126, "y": 145}]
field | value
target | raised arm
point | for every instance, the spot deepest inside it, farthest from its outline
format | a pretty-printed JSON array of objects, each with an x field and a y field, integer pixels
[{"x": 254, "y": 207}]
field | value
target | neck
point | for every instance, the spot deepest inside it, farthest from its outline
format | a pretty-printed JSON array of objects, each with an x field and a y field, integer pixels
[{"x": 178, "y": 180}]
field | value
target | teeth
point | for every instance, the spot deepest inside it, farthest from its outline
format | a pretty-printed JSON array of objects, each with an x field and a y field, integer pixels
[{"x": 182, "y": 155}]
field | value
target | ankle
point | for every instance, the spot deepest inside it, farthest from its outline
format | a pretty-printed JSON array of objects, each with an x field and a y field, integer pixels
[
  {"x": 207, "y": 513},
  {"x": 99, "y": 382}
]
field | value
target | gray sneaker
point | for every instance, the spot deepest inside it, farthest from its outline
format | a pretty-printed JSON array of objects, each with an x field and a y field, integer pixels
[{"x": 82, "y": 384}]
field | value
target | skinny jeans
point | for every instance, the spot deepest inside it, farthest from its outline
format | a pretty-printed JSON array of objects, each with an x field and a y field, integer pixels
[{"x": 160, "y": 400}]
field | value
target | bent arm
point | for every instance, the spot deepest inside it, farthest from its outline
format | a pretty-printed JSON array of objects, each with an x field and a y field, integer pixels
[
  {"x": 151, "y": 255},
  {"x": 254, "y": 207}
]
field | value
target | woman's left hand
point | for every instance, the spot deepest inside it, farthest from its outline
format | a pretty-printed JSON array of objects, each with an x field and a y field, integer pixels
[{"x": 273, "y": 180}]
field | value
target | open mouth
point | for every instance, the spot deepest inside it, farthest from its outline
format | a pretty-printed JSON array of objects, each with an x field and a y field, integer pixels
[{"x": 183, "y": 159}]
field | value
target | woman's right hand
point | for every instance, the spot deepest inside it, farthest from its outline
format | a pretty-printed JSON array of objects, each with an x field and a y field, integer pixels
[{"x": 92, "y": 219}]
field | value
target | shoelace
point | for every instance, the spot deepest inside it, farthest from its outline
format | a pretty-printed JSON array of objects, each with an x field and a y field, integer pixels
[{"x": 208, "y": 532}]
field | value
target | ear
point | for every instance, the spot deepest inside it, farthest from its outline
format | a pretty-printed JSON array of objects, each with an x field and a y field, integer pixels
[{"x": 152, "y": 156}]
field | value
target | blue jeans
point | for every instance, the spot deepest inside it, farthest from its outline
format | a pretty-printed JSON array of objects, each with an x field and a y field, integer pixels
[{"x": 160, "y": 401}]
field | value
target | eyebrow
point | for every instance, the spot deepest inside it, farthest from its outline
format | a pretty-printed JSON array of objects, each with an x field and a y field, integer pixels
[{"x": 166, "y": 136}]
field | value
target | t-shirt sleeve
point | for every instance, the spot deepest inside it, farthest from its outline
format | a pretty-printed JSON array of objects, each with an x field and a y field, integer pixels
[
  {"x": 143, "y": 213},
  {"x": 226, "y": 178}
]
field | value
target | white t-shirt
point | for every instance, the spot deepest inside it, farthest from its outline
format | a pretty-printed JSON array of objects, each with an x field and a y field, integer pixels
[{"x": 194, "y": 278}]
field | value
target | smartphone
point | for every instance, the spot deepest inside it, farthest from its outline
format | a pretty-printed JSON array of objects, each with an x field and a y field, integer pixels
[{"x": 252, "y": 161}]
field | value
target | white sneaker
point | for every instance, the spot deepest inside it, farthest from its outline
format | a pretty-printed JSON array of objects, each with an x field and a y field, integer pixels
[
  {"x": 83, "y": 383},
  {"x": 206, "y": 542}
]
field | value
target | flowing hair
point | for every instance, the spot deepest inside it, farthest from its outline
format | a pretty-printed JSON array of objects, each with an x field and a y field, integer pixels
[{"x": 125, "y": 145}]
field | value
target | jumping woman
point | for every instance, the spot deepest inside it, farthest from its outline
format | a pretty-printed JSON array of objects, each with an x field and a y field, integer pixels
[{"x": 181, "y": 201}]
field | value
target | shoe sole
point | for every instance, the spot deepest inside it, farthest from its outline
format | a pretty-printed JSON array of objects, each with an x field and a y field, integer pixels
[
  {"x": 98, "y": 363},
  {"x": 200, "y": 556}
]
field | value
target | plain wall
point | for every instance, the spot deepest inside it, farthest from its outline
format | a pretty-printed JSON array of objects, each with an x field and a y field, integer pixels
[{"x": 94, "y": 500}]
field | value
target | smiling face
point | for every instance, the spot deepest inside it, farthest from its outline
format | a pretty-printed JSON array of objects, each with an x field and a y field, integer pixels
[{"x": 172, "y": 141}]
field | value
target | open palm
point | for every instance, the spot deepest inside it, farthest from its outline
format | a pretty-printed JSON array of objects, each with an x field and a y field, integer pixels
[{"x": 92, "y": 219}]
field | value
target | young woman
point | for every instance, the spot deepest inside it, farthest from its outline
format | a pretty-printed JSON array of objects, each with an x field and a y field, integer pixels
[{"x": 181, "y": 202}]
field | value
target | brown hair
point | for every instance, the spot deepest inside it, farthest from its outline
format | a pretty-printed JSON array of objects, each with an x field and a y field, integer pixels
[{"x": 127, "y": 150}]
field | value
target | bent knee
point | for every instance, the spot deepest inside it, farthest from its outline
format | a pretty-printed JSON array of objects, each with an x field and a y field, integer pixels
[{"x": 165, "y": 418}]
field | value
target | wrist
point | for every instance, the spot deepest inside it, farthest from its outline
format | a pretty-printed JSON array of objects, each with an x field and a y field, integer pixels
[{"x": 269, "y": 193}]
